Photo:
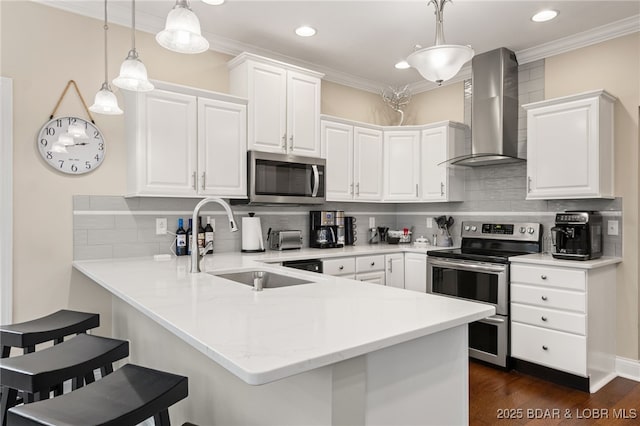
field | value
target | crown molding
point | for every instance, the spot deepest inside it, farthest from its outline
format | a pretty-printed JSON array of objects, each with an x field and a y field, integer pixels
[{"x": 121, "y": 15}]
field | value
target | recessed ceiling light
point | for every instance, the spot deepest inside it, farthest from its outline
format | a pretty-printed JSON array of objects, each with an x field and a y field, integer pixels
[
  {"x": 544, "y": 16},
  {"x": 305, "y": 31},
  {"x": 214, "y": 2},
  {"x": 402, "y": 65}
]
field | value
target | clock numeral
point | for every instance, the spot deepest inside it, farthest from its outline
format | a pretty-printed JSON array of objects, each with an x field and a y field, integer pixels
[
  {"x": 74, "y": 168},
  {"x": 49, "y": 155},
  {"x": 58, "y": 122},
  {"x": 87, "y": 164},
  {"x": 97, "y": 157},
  {"x": 96, "y": 134},
  {"x": 101, "y": 146},
  {"x": 61, "y": 163},
  {"x": 44, "y": 142},
  {"x": 72, "y": 120},
  {"x": 50, "y": 131}
]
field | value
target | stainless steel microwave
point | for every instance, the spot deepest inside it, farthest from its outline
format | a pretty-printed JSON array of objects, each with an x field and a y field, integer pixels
[{"x": 282, "y": 178}]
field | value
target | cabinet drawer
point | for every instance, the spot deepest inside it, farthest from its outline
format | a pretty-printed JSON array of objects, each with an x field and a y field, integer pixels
[
  {"x": 369, "y": 263},
  {"x": 550, "y": 318},
  {"x": 572, "y": 279},
  {"x": 549, "y": 297},
  {"x": 341, "y": 266},
  {"x": 555, "y": 349}
]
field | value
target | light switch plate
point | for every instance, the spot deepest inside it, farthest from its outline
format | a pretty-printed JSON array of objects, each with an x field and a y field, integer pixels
[
  {"x": 429, "y": 222},
  {"x": 612, "y": 227}
]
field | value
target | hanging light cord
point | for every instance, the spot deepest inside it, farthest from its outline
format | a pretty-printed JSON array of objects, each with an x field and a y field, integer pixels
[
  {"x": 133, "y": 25},
  {"x": 105, "y": 85}
]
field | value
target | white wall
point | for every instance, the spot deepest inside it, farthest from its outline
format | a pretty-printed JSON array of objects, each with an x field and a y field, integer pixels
[{"x": 6, "y": 197}]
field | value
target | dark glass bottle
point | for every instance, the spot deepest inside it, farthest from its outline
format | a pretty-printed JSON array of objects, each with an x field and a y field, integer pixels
[
  {"x": 208, "y": 235},
  {"x": 200, "y": 235},
  {"x": 181, "y": 240},
  {"x": 189, "y": 236}
]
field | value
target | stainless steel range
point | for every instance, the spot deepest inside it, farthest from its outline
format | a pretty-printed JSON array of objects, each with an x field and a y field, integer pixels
[{"x": 479, "y": 271}]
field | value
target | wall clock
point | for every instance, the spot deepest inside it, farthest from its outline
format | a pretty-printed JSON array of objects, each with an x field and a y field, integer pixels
[{"x": 71, "y": 145}]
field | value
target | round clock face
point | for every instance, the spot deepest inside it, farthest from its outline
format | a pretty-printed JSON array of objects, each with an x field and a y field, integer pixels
[{"x": 71, "y": 145}]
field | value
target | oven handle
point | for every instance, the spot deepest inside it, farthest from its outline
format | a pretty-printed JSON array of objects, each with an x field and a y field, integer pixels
[
  {"x": 467, "y": 266},
  {"x": 493, "y": 320}
]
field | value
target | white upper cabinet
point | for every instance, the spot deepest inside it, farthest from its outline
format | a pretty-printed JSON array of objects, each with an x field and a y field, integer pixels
[
  {"x": 185, "y": 142},
  {"x": 354, "y": 161},
  {"x": 440, "y": 181},
  {"x": 402, "y": 165},
  {"x": 284, "y": 104},
  {"x": 570, "y": 147}
]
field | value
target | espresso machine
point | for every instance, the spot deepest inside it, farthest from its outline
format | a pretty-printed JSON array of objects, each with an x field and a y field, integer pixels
[
  {"x": 578, "y": 235},
  {"x": 324, "y": 229}
]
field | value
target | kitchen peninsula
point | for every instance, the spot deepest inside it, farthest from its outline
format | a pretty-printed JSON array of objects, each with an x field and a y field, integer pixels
[{"x": 333, "y": 351}]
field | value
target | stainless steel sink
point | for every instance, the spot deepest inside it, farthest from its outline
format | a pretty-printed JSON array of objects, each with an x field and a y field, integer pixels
[{"x": 262, "y": 279}]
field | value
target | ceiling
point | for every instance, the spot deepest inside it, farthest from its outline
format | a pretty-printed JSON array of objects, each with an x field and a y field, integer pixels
[{"x": 359, "y": 42}]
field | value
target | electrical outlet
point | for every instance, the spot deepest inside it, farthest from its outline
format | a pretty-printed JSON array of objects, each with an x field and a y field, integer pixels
[
  {"x": 429, "y": 222},
  {"x": 612, "y": 227},
  {"x": 161, "y": 225},
  {"x": 372, "y": 222}
]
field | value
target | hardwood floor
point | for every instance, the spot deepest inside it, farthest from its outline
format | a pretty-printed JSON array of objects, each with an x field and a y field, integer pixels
[{"x": 511, "y": 398}]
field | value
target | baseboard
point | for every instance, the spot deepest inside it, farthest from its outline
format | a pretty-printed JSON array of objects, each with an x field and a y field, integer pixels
[{"x": 628, "y": 368}]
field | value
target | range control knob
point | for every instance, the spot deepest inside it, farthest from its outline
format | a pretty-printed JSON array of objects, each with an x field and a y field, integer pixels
[
  {"x": 531, "y": 230},
  {"x": 474, "y": 228},
  {"x": 467, "y": 227},
  {"x": 523, "y": 229}
]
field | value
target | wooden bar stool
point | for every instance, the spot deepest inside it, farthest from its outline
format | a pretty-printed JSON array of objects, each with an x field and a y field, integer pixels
[
  {"x": 53, "y": 327},
  {"x": 35, "y": 374},
  {"x": 127, "y": 397}
]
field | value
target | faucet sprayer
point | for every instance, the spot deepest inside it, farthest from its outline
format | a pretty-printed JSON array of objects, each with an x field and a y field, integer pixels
[{"x": 195, "y": 252}]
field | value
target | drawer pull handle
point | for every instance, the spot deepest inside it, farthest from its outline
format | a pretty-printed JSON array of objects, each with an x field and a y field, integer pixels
[
  {"x": 545, "y": 347},
  {"x": 373, "y": 263},
  {"x": 544, "y": 298},
  {"x": 544, "y": 277},
  {"x": 543, "y": 318},
  {"x": 341, "y": 267}
]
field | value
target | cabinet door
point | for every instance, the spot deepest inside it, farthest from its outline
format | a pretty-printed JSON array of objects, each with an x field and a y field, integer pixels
[
  {"x": 267, "y": 94},
  {"x": 433, "y": 150},
  {"x": 303, "y": 114},
  {"x": 368, "y": 167},
  {"x": 372, "y": 277},
  {"x": 164, "y": 145},
  {"x": 394, "y": 272},
  {"x": 402, "y": 161},
  {"x": 415, "y": 272},
  {"x": 562, "y": 151},
  {"x": 337, "y": 147},
  {"x": 222, "y": 148}
]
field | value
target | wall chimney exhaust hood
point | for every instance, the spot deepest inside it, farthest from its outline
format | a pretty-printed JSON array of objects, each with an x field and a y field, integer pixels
[{"x": 494, "y": 110}]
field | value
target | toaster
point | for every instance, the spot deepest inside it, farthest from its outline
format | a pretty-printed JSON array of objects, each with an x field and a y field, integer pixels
[{"x": 285, "y": 240}]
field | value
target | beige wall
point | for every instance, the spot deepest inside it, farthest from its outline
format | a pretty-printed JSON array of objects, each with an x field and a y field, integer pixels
[
  {"x": 613, "y": 66},
  {"x": 443, "y": 103}
]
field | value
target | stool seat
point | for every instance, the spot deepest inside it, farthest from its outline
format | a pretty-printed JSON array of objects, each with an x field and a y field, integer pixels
[
  {"x": 73, "y": 358},
  {"x": 127, "y": 396},
  {"x": 51, "y": 327}
]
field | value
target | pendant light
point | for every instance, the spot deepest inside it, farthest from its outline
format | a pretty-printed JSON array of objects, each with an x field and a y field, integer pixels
[
  {"x": 182, "y": 31},
  {"x": 133, "y": 73},
  {"x": 105, "y": 101},
  {"x": 441, "y": 61}
]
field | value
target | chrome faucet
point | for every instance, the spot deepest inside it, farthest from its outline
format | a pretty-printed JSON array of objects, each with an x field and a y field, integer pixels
[{"x": 195, "y": 252}]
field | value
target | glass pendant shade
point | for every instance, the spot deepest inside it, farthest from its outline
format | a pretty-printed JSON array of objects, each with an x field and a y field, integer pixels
[
  {"x": 182, "y": 31},
  {"x": 133, "y": 75},
  {"x": 105, "y": 102},
  {"x": 440, "y": 63}
]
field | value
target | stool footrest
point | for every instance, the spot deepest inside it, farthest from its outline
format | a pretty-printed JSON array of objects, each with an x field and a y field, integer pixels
[{"x": 128, "y": 396}]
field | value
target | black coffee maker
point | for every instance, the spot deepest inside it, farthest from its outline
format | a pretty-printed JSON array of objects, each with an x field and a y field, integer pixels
[
  {"x": 323, "y": 231},
  {"x": 578, "y": 235}
]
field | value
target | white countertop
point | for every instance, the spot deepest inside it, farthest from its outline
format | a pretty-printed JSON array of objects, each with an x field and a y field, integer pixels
[
  {"x": 265, "y": 336},
  {"x": 549, "y": 260}
]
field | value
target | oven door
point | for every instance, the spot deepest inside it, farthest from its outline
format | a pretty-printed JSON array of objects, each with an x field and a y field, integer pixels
[
  {"x": 472, "y": 280},
  {"x": 489, "y": 340}
]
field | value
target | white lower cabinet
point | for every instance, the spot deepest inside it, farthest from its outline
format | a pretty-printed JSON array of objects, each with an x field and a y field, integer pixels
[
  {"x": 415, "y": 272},
  {"x": 341, "y": 267},
  {"x": 564, "y": 318},
  {"x": 371, "y": 269},
  {"x": 185, "y": 142},
  {"x": 394, "y": 271}
]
